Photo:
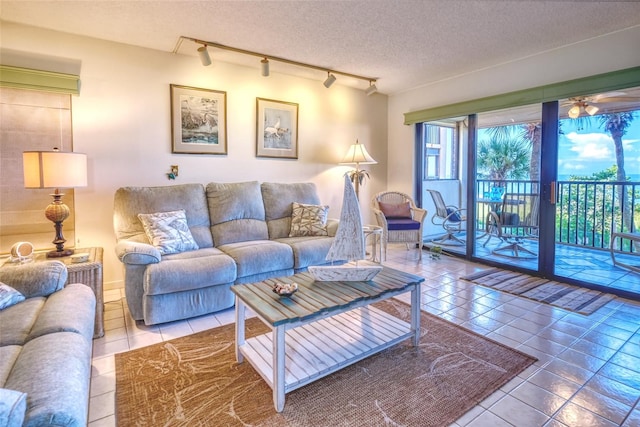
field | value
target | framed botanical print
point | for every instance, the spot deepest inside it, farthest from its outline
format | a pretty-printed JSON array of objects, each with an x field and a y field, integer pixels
[
  {"x": 198, "y": 120},
  {"x": 276, "y": 129}
]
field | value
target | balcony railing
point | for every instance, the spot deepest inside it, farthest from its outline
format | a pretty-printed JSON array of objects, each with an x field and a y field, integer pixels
[{"x": 587, "y": 212}]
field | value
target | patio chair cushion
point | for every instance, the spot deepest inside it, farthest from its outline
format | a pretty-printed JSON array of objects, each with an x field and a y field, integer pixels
[
  {"x": 453, "y": 215},
  {"x": 402, "y": 224},
  {"x": 509, "y": 218},
  {"x": 390, "y": 210}
]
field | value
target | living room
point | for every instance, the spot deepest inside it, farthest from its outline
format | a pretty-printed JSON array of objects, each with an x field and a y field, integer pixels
[{"x": 122, "y": 120}]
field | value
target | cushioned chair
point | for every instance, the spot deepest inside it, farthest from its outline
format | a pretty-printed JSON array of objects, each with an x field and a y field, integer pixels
[
  {"x": 516, "y": 222},
  {"x": 400, "y": 219},
  {"x": 449, "y": 217}
]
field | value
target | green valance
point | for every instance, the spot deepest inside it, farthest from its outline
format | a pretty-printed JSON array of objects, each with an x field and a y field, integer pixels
[
  {"x": 621, "y": 79},
  {"x": 46, "y": 81}
]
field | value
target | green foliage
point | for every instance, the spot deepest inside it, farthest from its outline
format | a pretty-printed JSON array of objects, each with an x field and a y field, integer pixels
[{"x": 500, "y": 159}]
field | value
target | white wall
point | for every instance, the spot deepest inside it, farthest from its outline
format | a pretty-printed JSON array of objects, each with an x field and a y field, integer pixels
[
  {"x": 121, "y": 119},
  {"x": 615, "y": 51}
]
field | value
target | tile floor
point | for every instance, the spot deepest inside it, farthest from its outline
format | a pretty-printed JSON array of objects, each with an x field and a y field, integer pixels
[{"x": 588, "y": 372}]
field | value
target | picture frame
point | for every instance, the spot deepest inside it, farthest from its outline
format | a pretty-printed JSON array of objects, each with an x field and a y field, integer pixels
[
  {"x": 198, "y": 120},
  {"x": 276, "y": 129}
]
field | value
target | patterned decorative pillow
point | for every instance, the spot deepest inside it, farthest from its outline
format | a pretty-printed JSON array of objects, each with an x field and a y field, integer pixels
[
  {"x": 168, "y": 231},
  {"x": 308, "y": 220},
  {"x": 390, "y": 210},
  {"x": 9, "y": 296}
]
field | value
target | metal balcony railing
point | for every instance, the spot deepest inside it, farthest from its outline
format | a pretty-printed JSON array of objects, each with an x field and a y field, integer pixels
[{"x": 587, "y": 212}]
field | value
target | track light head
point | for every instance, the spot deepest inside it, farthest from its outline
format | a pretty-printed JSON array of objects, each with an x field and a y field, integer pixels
[
  {"x": 264, "y": 65},
  {"x": 204, "y": 55},
  {"x": 329, "y": 80},
  {"x": 371, "y": 89}
]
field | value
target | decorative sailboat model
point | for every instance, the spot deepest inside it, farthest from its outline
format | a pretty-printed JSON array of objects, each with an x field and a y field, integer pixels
[{"x": 348, "y": 245}]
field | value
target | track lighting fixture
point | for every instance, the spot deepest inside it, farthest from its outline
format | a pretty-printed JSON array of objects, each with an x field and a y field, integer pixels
[
  {"x": 371, "y": 89},
  {"x": 331, "y": 79},
  {"x": 264, "y": 65},
  {"x": 204, "y": 55}
]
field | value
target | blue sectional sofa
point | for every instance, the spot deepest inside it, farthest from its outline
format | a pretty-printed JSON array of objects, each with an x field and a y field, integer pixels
[
  {"x": 242, "y": 231},
  {"x": 45, "y": 347}
]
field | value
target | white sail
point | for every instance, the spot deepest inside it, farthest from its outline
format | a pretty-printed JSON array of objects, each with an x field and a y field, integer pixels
[{"x": 348, "y": 243}]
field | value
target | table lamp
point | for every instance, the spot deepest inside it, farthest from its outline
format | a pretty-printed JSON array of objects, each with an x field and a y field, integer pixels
[
  {"x": 55, "y": 169},
  {"x": 358, "y": 155}
]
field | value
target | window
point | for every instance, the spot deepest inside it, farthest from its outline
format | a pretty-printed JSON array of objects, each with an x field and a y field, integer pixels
[{"x": 440, "y": 151}]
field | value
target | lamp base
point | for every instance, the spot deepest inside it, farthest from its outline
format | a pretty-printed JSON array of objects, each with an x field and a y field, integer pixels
[{"x": 60, "y": 254}]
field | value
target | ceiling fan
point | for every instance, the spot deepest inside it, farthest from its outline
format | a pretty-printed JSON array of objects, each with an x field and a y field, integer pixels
[{"x": 591, "y": 104}]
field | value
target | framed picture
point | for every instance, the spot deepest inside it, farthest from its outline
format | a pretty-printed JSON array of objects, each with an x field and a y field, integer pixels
[
  {"x": 276, "y": 129},
  {"x": 198, "y": 120}
]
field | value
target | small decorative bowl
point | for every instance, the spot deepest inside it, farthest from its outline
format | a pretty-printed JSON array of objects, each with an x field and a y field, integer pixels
[{"x": 285, "y": 289}]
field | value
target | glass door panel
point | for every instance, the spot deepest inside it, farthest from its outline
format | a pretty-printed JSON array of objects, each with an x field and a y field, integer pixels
[
  {"x": 598, "y": 189},
  {"x": 507, "y": 196}
]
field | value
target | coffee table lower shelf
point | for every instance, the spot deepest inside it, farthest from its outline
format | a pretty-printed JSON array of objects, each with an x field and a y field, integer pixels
[{"x": 317, "y": 349}]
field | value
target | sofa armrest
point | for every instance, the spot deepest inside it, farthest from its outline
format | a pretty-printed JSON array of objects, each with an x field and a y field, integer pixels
[
  {"x": 137, "y": 253},
  {"x": 38, "y": 279},
  {"x": 332, "y": 226}
]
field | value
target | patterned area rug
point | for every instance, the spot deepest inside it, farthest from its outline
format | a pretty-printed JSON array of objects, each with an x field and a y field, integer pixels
[
  {"x": 194, "y": 380},
  {"x": 569, "y": 297}
]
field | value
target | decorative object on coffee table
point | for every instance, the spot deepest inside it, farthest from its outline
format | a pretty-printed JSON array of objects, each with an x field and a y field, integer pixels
[
  {"x": 55, "y": 169},
  {"x": 348, "y": 245}
]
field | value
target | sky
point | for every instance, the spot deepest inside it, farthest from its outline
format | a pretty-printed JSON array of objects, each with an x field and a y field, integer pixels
[{"x": 588, "y": 150}]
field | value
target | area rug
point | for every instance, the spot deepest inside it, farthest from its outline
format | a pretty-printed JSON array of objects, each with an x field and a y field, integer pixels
[
  {"x": 195, "y": 381},
  {"x": 573, "y": 298}
]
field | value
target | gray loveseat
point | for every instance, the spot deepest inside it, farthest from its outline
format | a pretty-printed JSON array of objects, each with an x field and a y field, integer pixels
[
  {"x": 242, "y": 234},
  {"x": 45, "y": 348}
]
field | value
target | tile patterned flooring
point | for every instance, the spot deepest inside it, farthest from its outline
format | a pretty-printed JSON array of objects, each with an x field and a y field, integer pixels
[{"x": 588, "y": 372}]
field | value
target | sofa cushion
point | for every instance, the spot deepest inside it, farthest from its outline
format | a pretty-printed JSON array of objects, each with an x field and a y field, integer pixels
[
  {"x": 183, "y": 274},
  {"x": 308, "y": 250},
  {"x": 168, "y": 231},
  {"x": 9, "y": 296},
  {"x": 277, "y": 198},
  {"x": 13, "y": 405},
  {"x": 308, "y": 220},
  {"x": 131, "y": 201},
  {"x": 71, "y": 309},
  {"x": 8, "y": 356},
  {"x": 35, "y": 279},
  {"x": 259, "y": 256},
  {"x": 62, "y": 364},
  {"x": 17, "y": 321},
  {"x": 237, "y": 212}
]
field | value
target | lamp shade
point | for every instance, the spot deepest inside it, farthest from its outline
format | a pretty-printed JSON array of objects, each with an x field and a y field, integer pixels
[
  {"x": 358, "y": 154},
  {"x": 54, "y": 169}
]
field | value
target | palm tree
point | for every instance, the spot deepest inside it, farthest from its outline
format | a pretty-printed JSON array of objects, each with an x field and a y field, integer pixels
[
  {"x": 530, "y": 133},
  {"x": 616, "y": 124},
  {"x": 500, "y": 159}
]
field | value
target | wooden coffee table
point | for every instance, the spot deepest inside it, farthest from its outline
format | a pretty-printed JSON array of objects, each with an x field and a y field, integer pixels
[{"x": 322, "y": 328}]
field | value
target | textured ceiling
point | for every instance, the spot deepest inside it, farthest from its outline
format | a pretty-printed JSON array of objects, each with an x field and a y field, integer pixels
[{"x": 404, "y": 44}]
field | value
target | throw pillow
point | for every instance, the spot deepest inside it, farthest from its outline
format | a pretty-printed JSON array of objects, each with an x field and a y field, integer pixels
[
  {"x": 168, "y": 231},
  {"x": 9, "y": 296},
  {"x": 390, "y": 210},
  {"x": 453, "y": 215},
  {"x": 308, "y": 220}
]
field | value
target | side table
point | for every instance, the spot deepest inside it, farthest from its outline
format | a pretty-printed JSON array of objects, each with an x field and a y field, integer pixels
[
  {"x": 88, "y": 273},
  {"x": 376, "y": 245}
]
